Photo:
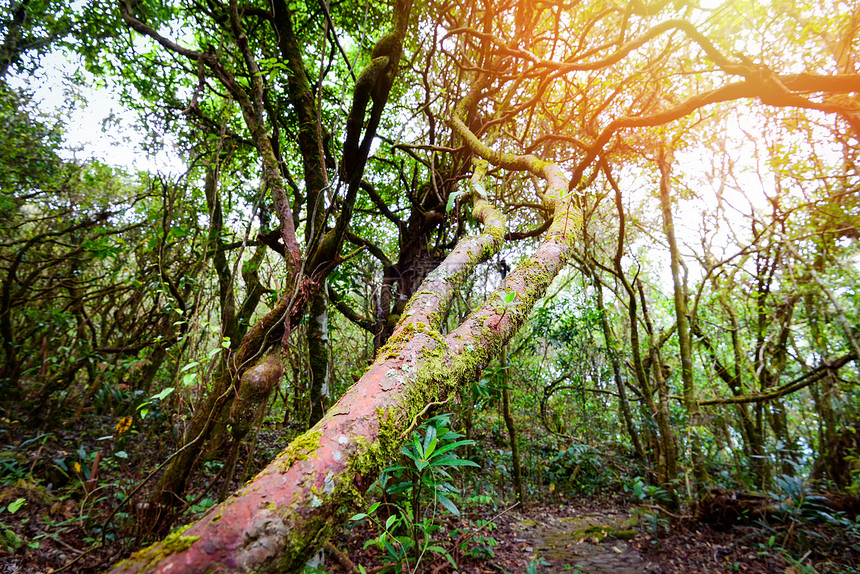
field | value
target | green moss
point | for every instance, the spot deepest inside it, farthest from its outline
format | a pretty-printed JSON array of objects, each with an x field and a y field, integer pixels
[
  {"x": 597, "y": 533},
  {"x": 303, "y": 542},
  {"x": 395, "y": 343},
  {"x": 301, "y": 447},
  {"x": 172, "y": 544}
]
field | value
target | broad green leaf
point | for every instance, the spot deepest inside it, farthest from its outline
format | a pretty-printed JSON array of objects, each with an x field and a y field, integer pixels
[
  {"x": 452, "y": 197},
  {"x": 446, "y": 502},
  {"x": 163, "y": 394},
  {"x": 451, "y": 446},
  {"x": 429, "y": 441},
  {"x": 479, "y": 188},
  {"x": 16, "y": 505},
  {"x": 190, "y": 365}
]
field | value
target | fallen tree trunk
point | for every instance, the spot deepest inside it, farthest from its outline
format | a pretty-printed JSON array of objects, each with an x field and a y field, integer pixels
[{"x": 277, "y": 520}]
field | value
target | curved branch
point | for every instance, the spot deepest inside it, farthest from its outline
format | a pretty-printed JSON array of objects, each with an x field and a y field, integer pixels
[
  {"x": 772, "y": 90},
  {"x": 803, "y": 381},
  {"x": 348, "y": 312}
]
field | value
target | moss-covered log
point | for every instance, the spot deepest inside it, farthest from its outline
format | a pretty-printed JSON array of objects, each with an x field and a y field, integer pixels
[{"x": 277, "y": 520}]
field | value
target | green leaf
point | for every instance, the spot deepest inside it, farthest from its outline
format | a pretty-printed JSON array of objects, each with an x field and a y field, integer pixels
[
  {"x": 391, "y": 520},
  {"x": 163, "y": 394},
  {"x": 446, "y": 502},
  {"x": 429, "y": 441},
  {"x": 121, "y": 454},
  {"x": 451, "y": 446},
  {"x": 452, "y": 197},
  {"x": 428, "y": 450},
  {"x": 479, "y": 188},
  {"x": 359, "y": 516},
  {"x": 16, "y": 505},
  {"x": 399, "y": 487},
  {"x": 9, "y": 541},
  {"x": 456, "y": 461},
  {"x": 191, "y": 365}
]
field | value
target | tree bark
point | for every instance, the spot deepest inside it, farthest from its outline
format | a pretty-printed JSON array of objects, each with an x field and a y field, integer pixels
[{"x": 317, "y": 335}]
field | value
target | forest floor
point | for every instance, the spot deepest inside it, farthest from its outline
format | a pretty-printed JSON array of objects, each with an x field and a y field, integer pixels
[
  {"x": 580, "y": 536},
  {"x": 56, "y": 501}
]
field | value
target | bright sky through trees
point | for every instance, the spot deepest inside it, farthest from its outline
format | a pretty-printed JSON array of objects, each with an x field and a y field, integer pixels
[{"x": 97, "y": 124}]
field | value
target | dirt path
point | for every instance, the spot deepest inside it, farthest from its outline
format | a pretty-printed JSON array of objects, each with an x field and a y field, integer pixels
[{"x": 592, "y": 543}]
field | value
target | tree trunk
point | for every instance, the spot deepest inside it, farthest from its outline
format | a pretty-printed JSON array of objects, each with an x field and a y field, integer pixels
[
  {"x": 682, "y": 320},
  {"x": 317, "y": 335},
  {"x": 667, "y": 468},
  {"x": 512, "y": 430},
  {"x": 611, "y": 349},
  {"x": 158, "y": 512}
]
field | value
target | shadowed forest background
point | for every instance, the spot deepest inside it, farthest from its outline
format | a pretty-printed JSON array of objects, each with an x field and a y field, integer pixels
[{"x": 430, "y": 259}]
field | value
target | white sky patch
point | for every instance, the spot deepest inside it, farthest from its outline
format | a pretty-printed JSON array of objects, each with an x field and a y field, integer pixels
[{"x": 97, "y": 125}]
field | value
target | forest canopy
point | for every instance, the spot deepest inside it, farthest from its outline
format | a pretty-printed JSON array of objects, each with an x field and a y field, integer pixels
[{"x": 628, "y": 228}]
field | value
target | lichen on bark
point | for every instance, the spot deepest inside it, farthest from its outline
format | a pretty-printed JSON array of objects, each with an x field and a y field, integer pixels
[{"x": 173, "y": 543}]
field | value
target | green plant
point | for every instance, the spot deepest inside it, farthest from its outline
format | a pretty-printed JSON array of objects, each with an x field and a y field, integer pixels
[
  {"x": 854, "y": 463},
  {"x": 508, "y": 302},
  {"x": 425, "y": 473},
  {"x": 581, "y": 468},
  {"x": 200, "y": 506},
  {"x": 652, "y": 496},
  {"x": 145, "y": 407},
  {"x": 472, "y": 541},
  {"x": 421, "y": 490},
  {"x": 13, "y": 467},
  {"x": 533, "y": 566},
  {"x": 14, "y": 464},
  {"x": 806, "y": 525}
]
